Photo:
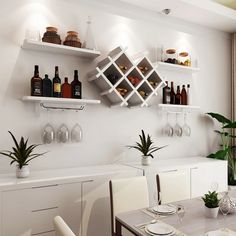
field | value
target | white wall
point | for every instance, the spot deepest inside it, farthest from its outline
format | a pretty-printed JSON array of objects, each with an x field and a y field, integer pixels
[{"x": 106, "y": 130}]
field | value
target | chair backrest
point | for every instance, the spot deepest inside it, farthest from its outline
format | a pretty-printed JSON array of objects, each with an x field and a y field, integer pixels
[
  {"x": 173, "y": 186},
  {"x": 61, "y": 228},
  {"x": 126, "y": 195}
]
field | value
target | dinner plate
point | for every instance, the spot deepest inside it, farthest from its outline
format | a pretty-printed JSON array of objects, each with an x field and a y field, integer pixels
[
  {"x": 149, "y": 233},
  {"x": 221, "y": 232},
  {"x": 160, "y": 229},
  {"x": 165, "y": 209}
]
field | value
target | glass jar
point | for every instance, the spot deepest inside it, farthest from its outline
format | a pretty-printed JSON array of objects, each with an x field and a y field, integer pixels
[
  {"x": 171, "y": 57},
  {"x": 51, "y": 36},
  {"x": 184, "y": 59},
  {"x": 72, "y": 39}
]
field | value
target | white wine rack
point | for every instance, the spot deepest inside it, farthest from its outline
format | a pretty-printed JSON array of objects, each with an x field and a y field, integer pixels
[{"x": 133, "y": 85}]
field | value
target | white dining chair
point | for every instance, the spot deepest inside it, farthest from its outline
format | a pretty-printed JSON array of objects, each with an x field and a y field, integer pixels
[
  {"x": 126, "y": 195},
  {"x": 173, "y": 186},
  {"x": 61, "y": 228}
]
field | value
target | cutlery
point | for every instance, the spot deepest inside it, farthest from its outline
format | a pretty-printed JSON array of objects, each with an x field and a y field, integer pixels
[{"x": 147, "y": 223}]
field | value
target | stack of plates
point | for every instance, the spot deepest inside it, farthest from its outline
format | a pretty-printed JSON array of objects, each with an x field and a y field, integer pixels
[
  {"x": 168, "y": 209},
  {"x": 160, "y": 228}
]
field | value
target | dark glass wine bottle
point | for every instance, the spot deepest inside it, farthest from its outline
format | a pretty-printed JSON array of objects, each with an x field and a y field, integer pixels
[
  {"x": 56, "y": 84},
  {"x": 166, "y": 94},
  {"x": 36, "y": 83},
  {"x": 76, "y": 86},
  {"x": 172, "y": 93},
  {"x": 47, "y": 87},
  {"x": 66, "y": 89},
  {"x": 178, "y": 96},
  {"x": 183, "y": 96}
]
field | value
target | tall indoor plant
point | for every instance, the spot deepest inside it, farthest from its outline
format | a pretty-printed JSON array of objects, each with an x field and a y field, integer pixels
[
  {"x": 226, "y": 151},
  {"x": 145, "y": 146},
  {"x": 21, "y": 154}
]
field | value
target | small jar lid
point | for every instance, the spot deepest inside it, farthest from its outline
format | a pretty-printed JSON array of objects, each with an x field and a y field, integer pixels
[
  {"x": 183, "y": 54},
  {"x": 51, "y": 29},
  {"x": 71, "y": 32},
  {"x": 171, "y": 51}
]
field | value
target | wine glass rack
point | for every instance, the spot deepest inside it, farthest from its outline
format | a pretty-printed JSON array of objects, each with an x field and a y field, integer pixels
[{"x": 124, "y": 82}]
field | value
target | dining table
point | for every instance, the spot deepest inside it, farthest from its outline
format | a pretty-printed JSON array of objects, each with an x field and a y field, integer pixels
[{"x": 193, "y": 223}]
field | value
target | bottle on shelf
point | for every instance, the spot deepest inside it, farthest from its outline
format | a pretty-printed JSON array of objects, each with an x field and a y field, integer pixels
[
  {"x": 189, "y": 102},
  {"x": 56, "y": 84},
  {"x": 66, "y": 89},
  {"x": 76, "y": 86},
  {"x": 178, "y": 96},
  {"x": 172, "y": 93},
  {"x": 36, "y": 83},
  {"x": 166, "y": 94},
  {"x": 183, "y": 96},
  {"x": 47, "y": 87}
]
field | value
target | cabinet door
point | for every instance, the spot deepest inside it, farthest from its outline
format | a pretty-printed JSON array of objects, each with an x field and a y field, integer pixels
[
  {"x": 208, "y": 176},
  {"x": 70, "y": 205},
  {"x": 96, "y": 204}
]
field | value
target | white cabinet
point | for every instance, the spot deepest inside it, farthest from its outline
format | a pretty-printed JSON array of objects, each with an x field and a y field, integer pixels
[{"x": 208, "y": 176}]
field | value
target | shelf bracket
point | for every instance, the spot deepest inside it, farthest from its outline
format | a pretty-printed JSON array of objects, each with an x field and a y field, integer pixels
[{"x": 63, "y": 108}]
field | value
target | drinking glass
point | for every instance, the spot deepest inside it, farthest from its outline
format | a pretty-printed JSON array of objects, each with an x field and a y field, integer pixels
[
  {"x": 186, "y": 128},
  {"x": 33, "y": 35},
  {"x": 177, "y": 128},
  {"x": 76, "y": 133},
  {"x": 157, "y": 201},
  {"x": 63, "y": 134},
  {"x": 225, "y": 204},
  {"x": 180, "y": 212},
  {"x": 48, "y": 134},
  {"x": 168, "y": 129}
]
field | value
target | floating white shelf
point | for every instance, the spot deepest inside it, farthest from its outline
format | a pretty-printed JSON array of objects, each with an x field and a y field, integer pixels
[
  {"x": 125, "y": 83},
  {"x": 61, "y": 49},
  {"x": 179, "y": 68},
  {"x": 61, "y": 103},
  {"x": 178, "y": 108}
]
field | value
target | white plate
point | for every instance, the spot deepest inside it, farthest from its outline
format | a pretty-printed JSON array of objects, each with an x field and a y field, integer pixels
[
  {"x": 149, "y": 233},
  {"x": 221, "y": 232},
  {"x": 160, "y": 229},
  {"x": 165, "y": 209}
]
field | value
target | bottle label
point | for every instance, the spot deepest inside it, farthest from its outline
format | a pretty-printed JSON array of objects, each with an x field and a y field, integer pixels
[
  {"x": 57, "y": 88},
  {"x": 77, "y": 91},
  {"x": 37, "y": 88}
]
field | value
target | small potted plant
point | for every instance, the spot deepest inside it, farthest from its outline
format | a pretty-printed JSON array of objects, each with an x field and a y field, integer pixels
[
  {"x": 211, "y": 201},
  {"x": 21, "y": 154},
  {"x": 146, "y": 148}
]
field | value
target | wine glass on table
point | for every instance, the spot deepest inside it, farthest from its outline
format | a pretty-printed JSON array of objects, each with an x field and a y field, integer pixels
[
  {"x": 157, "y": 201},
  {"x": 180, "y": 211},
  {"x": 225, "y": 205}
]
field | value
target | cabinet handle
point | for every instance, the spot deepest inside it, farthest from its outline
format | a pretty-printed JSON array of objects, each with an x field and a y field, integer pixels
[
  {"x": 46, "y": 186},
  {"x": 194, "y": 168},
  {"x": 169, "y": 171},
  {"x": 45, "y": 209},
  {"x": 46, "y": 232}
]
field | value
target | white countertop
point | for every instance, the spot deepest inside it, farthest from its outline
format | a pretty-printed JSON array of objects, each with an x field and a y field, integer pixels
[{"x": 52, "y": 176}]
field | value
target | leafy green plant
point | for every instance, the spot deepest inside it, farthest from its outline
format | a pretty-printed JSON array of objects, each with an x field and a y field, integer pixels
[
  {"x": 146, "y": 145},
  {"x": 226, "y": 151},
  {"x": 211, "y": 199},
  {"x": 22, "y": 154}
]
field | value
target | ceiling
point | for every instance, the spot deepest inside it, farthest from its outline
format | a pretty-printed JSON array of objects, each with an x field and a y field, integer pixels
[{"x": 204, "y": 12}]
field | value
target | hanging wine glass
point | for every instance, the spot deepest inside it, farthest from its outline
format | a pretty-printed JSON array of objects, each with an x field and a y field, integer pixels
[
  {"x": 89, "y": 41},
  {"x": 168, "y": 129},
  {"x": 48, "y": 134},
  {"x": 63, "y": 134},
  {"x": 186, "y": 128},
  {"x": 177, "y": 128},
  {"x": 76, "y": 133}
]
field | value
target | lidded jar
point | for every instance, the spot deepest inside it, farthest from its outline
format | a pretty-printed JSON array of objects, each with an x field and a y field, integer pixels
[
  {"x": 170, "y": 55},
  {"x": 72, "y": 39},
  {"x": 51, "y": 35},
  {"x": 184, "y": 59}
]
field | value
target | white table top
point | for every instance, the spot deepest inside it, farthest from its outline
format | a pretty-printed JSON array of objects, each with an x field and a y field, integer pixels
[{"x": 194, "y": 222}]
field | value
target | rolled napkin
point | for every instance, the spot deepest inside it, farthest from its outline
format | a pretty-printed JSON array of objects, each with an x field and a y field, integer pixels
[{"x": 221, "y": 232}]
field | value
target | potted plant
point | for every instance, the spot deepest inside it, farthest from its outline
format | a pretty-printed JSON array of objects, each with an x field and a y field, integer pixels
[
  {"x": 226, "y": 151},
  {"x": 21, "y": 154},
  {"x": 211, "y": 201},
  {"x": 146, "y": 148}
]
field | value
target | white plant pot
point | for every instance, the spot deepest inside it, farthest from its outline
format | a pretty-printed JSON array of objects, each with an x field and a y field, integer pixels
[
  {"x": 146, "y": 160},
  {"x": 23, "y": 172},
  {"x": 211, "y": 212}
]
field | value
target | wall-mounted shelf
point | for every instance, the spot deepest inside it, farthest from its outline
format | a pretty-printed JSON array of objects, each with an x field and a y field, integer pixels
[
  {"x": 178, "y": 68},
  {"x": 60, "y": 49},
  {"x": 61, "y": 103},
  {"x": 178, "y": 108},
  {"x": 124, "y": 82}
]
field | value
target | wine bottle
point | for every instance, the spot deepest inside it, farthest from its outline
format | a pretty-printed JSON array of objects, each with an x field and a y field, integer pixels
[
  {"x": 47, "y": 87},
  {"x": 189, "y": 102},
  {"x": 36, "y": 83},
  {"x": 178, "y": 96},
  {"x": 166, "y": 94},
  {"x": 76, "y": 86},
  {"x": 172, "y": 93},
  {"x": 66, "y": 89},
  {"x": 56, "y": 84},
  {"x": 183, "y": 96}
]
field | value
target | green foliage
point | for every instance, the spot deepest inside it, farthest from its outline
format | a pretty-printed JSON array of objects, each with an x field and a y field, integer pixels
[
  {"x": 21, "y": 153},
  {"x": 211, "y": 199},
  {"x": 146, "y": 145}
]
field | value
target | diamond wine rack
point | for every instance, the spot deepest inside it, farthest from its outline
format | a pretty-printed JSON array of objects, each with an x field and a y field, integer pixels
[{"x": 124, "y": 82}]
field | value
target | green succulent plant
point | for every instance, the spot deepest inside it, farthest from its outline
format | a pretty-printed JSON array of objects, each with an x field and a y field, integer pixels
[
  {"x": 146, "y": 145},
  {"x": 22, "y": 154},
  {"x": 211, "y": 199}
]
